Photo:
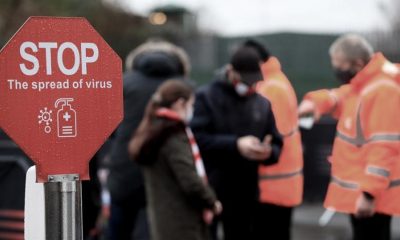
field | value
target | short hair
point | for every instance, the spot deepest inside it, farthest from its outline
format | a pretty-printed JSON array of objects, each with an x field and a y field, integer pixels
[{"x": 353, "y": 47}]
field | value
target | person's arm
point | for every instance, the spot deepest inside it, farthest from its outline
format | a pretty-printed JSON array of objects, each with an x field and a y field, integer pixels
[
  {"x": 325, "y": 101},
  {"x": 276, "y": 139},
  {"x": 284, "y": 106},
  {"x": 380, "y": 116},
  {"x": 180, "y": 159},
  {"x": 202, "y": 126}
]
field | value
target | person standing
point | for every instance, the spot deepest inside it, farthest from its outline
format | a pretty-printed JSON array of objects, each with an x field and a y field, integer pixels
[
  {"x": 148, "y": 66},
  {"x": 180, "y": 202},
  {"x": 281, "y": 185},
  {"x": 365, "y": 159},
  {"x": 236, "y": 132}
]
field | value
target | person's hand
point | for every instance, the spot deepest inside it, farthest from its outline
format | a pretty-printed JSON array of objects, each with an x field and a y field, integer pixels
[
  {"x": 364, "y": 207},
  {"x": 208, "y": 216},
  {"x": 251, "y": 148},
  {"x": 308, "y": 107},
  {"x": 267, "y": 145},
  {"x": 217, "y": 208}
]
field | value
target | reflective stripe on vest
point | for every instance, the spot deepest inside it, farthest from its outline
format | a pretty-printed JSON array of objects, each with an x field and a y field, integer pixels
[
  {"x": 355, "y": 186},
  {"x": 394, "y": 183},
  {"x": 344, "y": 184},
  {"x": 280, "y": 176},
  {"x": 376, "y": 138},
  {"x": 360, "y": 140},
  {"x": 378, "y": 171},
  {"x": 291, "y": 133}
]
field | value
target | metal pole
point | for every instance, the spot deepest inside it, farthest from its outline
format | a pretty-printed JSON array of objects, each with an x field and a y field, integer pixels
[{"x": 63, "y": 204}]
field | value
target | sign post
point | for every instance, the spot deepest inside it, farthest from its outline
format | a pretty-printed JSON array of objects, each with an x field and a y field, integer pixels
[
  {"x": 63, "y": 206},
  {"x": 60, "y": 99}
]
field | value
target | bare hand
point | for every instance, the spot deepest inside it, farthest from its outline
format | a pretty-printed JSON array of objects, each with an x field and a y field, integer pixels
[
  {"x": 308, "y": 107},
  {"x": 251, "y": 148},
  {"x": 364, "y": 207},
  {"x": 208, "y": 216},
  {"x": 217, "y": 208}
]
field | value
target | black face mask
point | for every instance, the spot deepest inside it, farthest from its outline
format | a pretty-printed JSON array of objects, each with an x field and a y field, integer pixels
[{"x": 344, "y": 76}]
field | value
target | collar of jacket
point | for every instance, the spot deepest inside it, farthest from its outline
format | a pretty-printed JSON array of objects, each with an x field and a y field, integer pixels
[
  {"x": 222, "y": 77},
  {"x": 168, "y": 114},
  {"x": 374, "y": 67}
]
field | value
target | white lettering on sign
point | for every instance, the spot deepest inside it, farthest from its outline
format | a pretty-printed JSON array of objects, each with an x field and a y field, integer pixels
[
  {"x": 85, "y": 58},
  {"x": 30, "y": 58},
  {"x": 48, "y": 46},
  {"x": 80, "y": 58}
]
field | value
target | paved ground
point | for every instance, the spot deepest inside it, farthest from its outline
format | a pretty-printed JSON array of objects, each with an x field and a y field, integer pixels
[{"x": 306, "y": 225}]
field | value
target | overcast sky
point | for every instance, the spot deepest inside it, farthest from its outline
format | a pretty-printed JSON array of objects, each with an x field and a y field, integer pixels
[{"x": 243, "y": 17}]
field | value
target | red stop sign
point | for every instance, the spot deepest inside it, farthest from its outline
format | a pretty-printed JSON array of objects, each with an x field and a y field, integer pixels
[{"x": 60, "y": 93}]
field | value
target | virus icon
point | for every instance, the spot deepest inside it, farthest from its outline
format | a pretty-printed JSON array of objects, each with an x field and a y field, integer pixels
[{"x": 45, "y": 117}]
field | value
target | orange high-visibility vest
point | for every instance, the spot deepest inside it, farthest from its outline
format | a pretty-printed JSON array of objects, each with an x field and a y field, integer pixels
[
  {"x": 366, "y": 149},
  {"x": 282, "y": 183},
  {"x": 398, "y": 73}
]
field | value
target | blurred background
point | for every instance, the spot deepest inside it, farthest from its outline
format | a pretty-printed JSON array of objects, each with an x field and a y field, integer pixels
[
  {"x": 299, "y": 33},
  {"x": 293, "y": 30}
]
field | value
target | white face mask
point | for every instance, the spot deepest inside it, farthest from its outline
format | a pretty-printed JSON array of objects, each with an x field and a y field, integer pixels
[
  {"x": 242, "y": 89},
  {"x": 189, "y": 115}
]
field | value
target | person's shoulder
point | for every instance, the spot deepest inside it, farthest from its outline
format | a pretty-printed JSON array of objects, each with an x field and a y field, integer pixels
[
  {"x": 259, "y": 99},
  {"x": 379, "y": 84},
  {"x": 175, "y": 139},
  {"x": 207, "y": 89},
  {"x": 132, "y": 79}
]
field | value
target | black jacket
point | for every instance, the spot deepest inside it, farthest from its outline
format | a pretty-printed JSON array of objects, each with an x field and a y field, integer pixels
[
  {"x": 125, "y": 180},
  {"x": 221, "y": 117}
]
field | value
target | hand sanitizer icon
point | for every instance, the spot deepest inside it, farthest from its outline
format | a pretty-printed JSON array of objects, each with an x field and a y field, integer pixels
[{"x": 66, "y": 118}]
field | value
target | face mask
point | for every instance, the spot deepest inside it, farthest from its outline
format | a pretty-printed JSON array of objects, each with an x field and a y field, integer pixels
[
  {"x": 189, "y": 115},
  {"x": 344, "y": 76},
  {"x": 243, "y": 90}
]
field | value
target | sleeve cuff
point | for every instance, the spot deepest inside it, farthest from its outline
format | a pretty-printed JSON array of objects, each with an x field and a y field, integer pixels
[
  {"x": 368, "y": 196},
  {"x": 273, "y": 159}
]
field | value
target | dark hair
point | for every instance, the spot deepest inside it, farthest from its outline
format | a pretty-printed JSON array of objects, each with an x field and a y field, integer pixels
[
  {"x": 168, "y": 93},
  {"x": 154, "y": 130}
]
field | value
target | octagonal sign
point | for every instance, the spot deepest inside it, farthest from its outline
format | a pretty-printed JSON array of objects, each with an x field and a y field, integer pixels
[{"x": 60, "y": 93}]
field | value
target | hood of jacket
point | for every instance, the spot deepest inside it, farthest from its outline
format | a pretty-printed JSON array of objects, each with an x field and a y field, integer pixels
[{"x": 159, "y": 59}]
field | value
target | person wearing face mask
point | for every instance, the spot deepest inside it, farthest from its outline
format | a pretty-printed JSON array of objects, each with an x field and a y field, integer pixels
[
  {"x": 281, "y": 185},
  {"x": 365, "y": 174},
  {"x": 236, "y": 132},
  {"x": 180, "y": 201}
]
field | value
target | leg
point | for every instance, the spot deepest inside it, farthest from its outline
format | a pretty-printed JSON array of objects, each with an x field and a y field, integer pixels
[
  {"x": 215, "y": 227},
  {"x": 276, "y": 219},
  {"x": 376, "y": 227},
  {"x": 122, "y": 221},
  {"x": 236, "y": 221},
  {"x": 141, "y": 231}
]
